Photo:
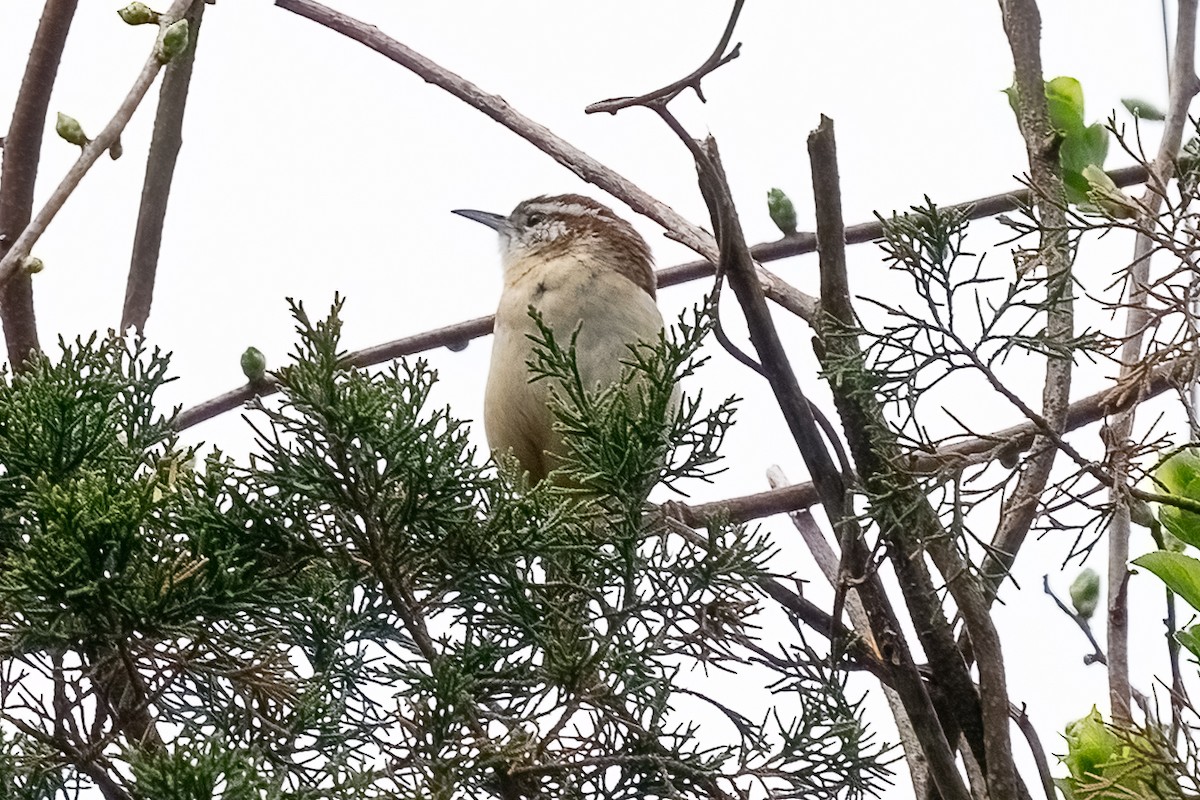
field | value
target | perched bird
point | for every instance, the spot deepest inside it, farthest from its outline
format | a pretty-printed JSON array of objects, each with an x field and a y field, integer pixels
[{"x": 579, "y": 264}]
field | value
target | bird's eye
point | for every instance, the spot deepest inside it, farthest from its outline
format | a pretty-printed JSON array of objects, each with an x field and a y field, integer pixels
[{"x": 535, "y": 219}]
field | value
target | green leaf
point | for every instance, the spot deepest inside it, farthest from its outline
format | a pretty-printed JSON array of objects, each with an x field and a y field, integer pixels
[
  {"x": 1190, "y": 639},
  {"x": 1179, "y": 474},
  {"x": 1064, "y": 101},
  {"x": 1180, "y": 573},
  {"x": 1142, "y": 109},
  {"x": 1178, "y": 470},
  {"x": 1109, "y": 199},
  {"x": 1080, "y": 149},
  {"x": 1184, "y": 525},
  {"x": 1094, "y": 144},
  {"x": 1090, "y": 744},
  {"x": 1013, "y": 97},
  {"x": 1080, "y": 145}
]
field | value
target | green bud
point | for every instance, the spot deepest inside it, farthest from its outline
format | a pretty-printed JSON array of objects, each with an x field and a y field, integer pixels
[
  {"x": 174, "y": 41},
  {"x": 32, "y": 265},
  {"x": 1085, "y": 592},
  {"x": 1109, "y": 199},
  {"x": 138, "y": 14},
  {"x": 70, "y": 129},
  {"x": 254, "y": 365},
  {"x": 782, "y": 212}
]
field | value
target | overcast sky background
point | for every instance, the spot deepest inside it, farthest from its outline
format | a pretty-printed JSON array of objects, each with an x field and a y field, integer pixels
[{"x": 313, "y": 166}]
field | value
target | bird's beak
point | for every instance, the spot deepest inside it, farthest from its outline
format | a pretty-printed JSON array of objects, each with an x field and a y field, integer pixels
[{"x": 494, "y": 221}]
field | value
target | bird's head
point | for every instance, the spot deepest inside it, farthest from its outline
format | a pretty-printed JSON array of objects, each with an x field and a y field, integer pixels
[{"x": 551, "y": 227}]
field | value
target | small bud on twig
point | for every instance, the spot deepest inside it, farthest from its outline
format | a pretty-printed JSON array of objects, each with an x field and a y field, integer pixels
[
  {"x": 69, "y": 129},
  {"x": 1085, "y": 593},
  {"x": 254, "y": 365},
  {"x": 174, "y": 40},
  {"x": 782, "y": 212},
  {"x": 32, "y": 265},
  {"x": 139, "y": 14}
]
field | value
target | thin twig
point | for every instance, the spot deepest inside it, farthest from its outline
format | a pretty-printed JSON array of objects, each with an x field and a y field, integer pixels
[
  {"x": 1095, "y": 657},
  {"x": 828, "y": 562},
  {"x": 805, "y": 242},
  {"x": 1036, "y": 750},
  {"x": 660, "y": 97},
  {"x": 160, "y": 171},
  {"x": 736, "y": 263},
  {"x": 10, "y": 265},
  {"x": 22, "y": 153}
]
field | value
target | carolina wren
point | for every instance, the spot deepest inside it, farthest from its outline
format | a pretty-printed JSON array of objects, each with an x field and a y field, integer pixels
[{"x": 579, "y": 264}]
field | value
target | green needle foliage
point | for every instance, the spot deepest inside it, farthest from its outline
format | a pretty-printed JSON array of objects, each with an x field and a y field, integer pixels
[{"x": 368, "y": 610}]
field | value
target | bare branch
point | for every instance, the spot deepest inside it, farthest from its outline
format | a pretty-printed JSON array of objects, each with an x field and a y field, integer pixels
[
  {"x": 10, "y": 265},
  {"x": 160, "y": 171},
  {"x": 1036, "y": 750},
  {"x": 1097, "y": 654},
  {"x": 1022, "y": 24},
  {"x": 896, "y": 497},
  {"x": 22, "y": 153},
  {"x": 660, "y": 97}
]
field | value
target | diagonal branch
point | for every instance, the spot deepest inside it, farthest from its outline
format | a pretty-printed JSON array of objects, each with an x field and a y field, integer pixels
[
  {"x": 571, "y": 157},
  {"x": 10, "y": 265},
  {"x": 160, "y": 171},
  {"x": 22, "y": 152}
]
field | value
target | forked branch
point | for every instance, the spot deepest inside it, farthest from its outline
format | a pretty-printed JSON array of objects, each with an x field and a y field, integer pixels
[
  {"x": 11, "y": 264},
  {"x": 660, "y": 97}
]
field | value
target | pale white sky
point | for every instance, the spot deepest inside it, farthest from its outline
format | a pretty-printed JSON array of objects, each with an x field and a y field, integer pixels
[{"x": 312, "y": 166}]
